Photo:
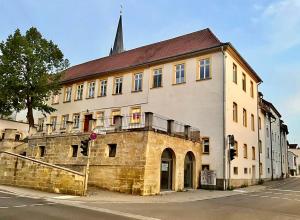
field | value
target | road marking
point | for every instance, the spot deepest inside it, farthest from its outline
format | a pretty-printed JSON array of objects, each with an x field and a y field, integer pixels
[
  {"x": 275, "y": 197},
  {"x": 64, "y": 197},
  {"x": 37, "y": 204},
  {"x": 114, "y": 212},
  {"x": 286, "y": 198},
  {"x": 19, "y": 206},
  {"x": 4, "y": 197},
  {"x": 264, "y": 196},
  {"x": 51, "y": 203},
  {"x": 284, "y": 190},
  {"x": 3, "y": 207}
]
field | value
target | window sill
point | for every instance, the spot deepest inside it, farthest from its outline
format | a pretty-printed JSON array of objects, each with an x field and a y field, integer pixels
[
  {"x": 89, "y": 97},
  {"x": 199, "y": 80},
  {"x": 205, "y": 153},
  {"x": 77, "y": 100},
  {"x": 175, "y": 84},
  {"x": 66, "y": 101},
  {"x": 136, "y": 91},
  {"x": 156, "y": 87},
  {"x": 101, "y": 96},
  {"x": 117, "y": 93}
]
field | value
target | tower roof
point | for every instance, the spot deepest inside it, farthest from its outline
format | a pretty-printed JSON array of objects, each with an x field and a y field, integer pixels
[{"x": 118, "y": 43}]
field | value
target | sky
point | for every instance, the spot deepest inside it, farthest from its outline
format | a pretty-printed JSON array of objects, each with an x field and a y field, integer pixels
[{"x": 265, "y": 32}]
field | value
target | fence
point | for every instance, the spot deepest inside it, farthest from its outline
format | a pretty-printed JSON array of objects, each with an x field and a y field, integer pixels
[{"x": 126, "y": 122}]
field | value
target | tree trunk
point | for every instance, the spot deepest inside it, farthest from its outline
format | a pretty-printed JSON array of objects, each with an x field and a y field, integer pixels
[{"x": 30, "y": 118}]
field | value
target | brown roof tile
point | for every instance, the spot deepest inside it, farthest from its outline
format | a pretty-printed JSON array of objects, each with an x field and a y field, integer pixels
[{"x": 188, "y": 43}]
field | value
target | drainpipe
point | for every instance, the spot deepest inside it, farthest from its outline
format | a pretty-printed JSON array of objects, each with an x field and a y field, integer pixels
[
  {"x": 258, "y": 135},
  {"x": 280, "y": 149},
  {"x": 224, "y": 121},
  {"x": 271, "y": 146}
]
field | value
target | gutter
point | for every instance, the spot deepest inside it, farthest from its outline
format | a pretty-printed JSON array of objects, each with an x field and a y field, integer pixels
[
  {"x": 224, "y": 119},
  {"x": 258, "y": 133}
]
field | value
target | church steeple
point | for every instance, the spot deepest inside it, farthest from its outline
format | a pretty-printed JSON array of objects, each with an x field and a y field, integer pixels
[{"x": 118, "y": 43}]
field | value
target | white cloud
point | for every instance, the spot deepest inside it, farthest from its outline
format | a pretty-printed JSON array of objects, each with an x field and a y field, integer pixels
[{"x": 280, "y": 23}]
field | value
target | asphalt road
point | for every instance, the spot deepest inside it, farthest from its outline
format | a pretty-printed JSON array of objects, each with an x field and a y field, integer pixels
[{"x": 280, "y": 200}]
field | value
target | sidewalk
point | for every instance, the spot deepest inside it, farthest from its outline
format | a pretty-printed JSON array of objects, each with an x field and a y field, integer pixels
[{"x": 102, "y": 196}]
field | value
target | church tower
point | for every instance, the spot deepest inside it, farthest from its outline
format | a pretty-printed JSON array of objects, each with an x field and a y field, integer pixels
[{"x": 118, "y": 43}]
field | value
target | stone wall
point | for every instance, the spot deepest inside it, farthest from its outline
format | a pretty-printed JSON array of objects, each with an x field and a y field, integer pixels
[
  {"x": 134, "y": 169},
  {"x": 16, "y": 170}
]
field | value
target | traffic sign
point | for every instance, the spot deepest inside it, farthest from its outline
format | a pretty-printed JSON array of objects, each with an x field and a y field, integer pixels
[{"x": 93, "y": 136}]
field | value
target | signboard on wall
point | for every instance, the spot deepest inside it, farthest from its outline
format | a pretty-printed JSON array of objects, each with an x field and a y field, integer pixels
[
  {"x": 208, "y": 177},
  {"x": 164, "y": 166}
]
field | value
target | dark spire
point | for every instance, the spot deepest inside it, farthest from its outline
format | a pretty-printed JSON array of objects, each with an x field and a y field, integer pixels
[{"x": 118, "y": 44}]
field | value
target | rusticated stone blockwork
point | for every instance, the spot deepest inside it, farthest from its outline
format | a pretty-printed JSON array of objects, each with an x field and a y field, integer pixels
[
  {"x": 124, "y": 161},
  {"x": 20, "y": 171}
]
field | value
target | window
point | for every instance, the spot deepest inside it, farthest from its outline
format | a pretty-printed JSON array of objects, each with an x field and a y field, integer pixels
[
  {"x": 79, "y": 92},
  {"x": 268, "y": 153},
  {"x": 205, "y": 69},
  {"x": 137, "y": 82},
  {"x": 179, "y": 74},
  {"x": 235, "y": 170},
  {"x": 42, "y": 151},
  {"x": 113, "y": 114},
  {"x": 244, "y": 82},
  {"x": 100, "y": 119},
  {"x": 267, "y": 131},
  {"x": 234, "y": 74},
  {"x": 235, "y": 112},
  {"x": 259, "y": 122},
  {"x": 53, "y": 122},
  {"x": 253, "y": 153},
  {"x": 251, "y": 89},
  {"x": 17, "y": 137},
  {"x": 68, "y": 94},
  {"x": 245, "y": 170},
  {"x": 236, "y": 147},
  {"x": 157, "y": 78},
  {"x": 103, "y": 87},
  {"x": 74, "y": 150},
  {"x": 205, "y": 145},
  {"x": 64, "y": 120},
  {"x": 252, "y": 123},
  {"x": 135, "y": 115},
  {"x": 245, "y": 151},
  {"x": 268, "y": 170},
  {"x": 55, "y": 99},
  {"x": 244, "y": 117},
  {"x": 91, "y": 89},
  {"x": 40, "y": 124},
  {"x": 112, "y": 150},
  {"x": 205, "y": 167},
  {"x": 260, "y": 146},
  {"x": 76, "y": 120},
  {"x": 118, "y": 85}
]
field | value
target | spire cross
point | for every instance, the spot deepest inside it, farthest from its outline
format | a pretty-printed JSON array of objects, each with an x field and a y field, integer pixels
[{"x": 121, "y": 9}]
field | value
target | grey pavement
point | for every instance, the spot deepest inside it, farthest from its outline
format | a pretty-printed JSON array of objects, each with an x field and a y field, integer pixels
[{"x": 273, "y": 200}]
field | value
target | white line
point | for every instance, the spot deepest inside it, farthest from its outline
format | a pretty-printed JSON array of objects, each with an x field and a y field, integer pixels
[
  {"x": 3, "y": 207},
  {"x": 284, "y": 190},
  {"x": 4, "y": 197},
  {"x": 264, "y": 196},
  {"x": 64, "y": 197},
  {"x": 19, "y": 206},
  {"x": 113, "y": 212},
  {"x": 50, "y": 203},
  {"x": 286, "y": 198},
  {"x": 275, "y": 197},
  {"x": 38, "y": 204}
]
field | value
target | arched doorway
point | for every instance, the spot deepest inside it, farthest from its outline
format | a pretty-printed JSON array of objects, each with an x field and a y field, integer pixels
[
  {"x": 188, "y": 170},
  {"x": 166, "y": 173}
]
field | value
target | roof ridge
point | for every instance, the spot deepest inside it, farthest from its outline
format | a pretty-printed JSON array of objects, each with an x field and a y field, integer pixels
[{"x": 148, "y": 45}]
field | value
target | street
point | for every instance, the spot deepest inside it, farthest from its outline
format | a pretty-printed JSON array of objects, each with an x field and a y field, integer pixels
[{"x": 278, "y": 200}]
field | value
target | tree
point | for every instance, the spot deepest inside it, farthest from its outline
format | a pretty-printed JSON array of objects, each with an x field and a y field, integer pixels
[{"x": 30, "y": 72}]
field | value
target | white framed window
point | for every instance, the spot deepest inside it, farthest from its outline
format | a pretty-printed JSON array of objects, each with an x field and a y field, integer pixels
[
  {"x": 68, "y": 94},
  {"x": 235, "y": 112},
  {"x": 114, "y": 113},
  {"x": 179, "y": 73},
  {"x": 251, "y": 89},
  {"x": 157, "y": 78},
  {"x": 135, "y": 115},
  {"x": 234, "y": 74},
  {"x": 205, "y": 69},
  {"x": 138, "y": 80},
  {"x": 103, "y": 87},
  {"x": 76, "y": 120},
  {"x": 99, "y": 119},
  {"x": 244, "y": 82},
  {"x": 64, "y": 120},
  {"x": 205, "y": 143},
  {"x": 53, "y": 121},
  {"x": 245, "y": 117},
  {"x": 55, "y": 99},
  {"x": 118, "y": 85},
  {"x": 91, "y": 89},
  {"x": 79, "y": 92}
]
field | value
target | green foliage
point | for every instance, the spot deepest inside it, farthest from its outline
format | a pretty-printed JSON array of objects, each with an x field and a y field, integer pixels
[{"x": 30, "y": 71}]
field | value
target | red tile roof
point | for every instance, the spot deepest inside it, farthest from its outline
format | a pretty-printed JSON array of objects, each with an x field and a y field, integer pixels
[{"x": 185, "y": 44}]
